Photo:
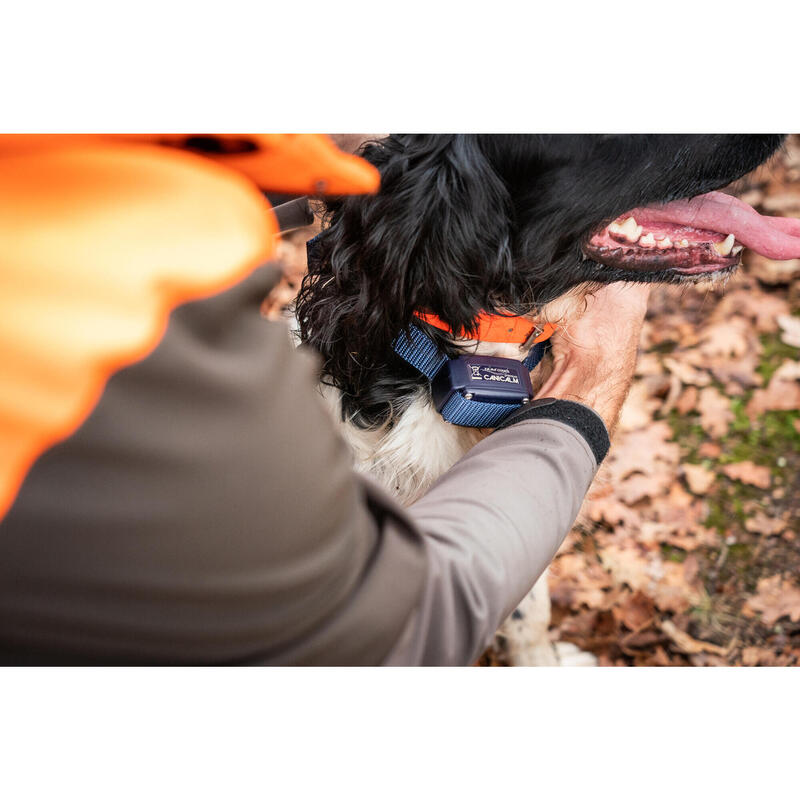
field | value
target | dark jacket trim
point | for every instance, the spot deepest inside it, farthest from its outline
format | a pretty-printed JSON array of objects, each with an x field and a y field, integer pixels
[{"x": 578, "y": 416}]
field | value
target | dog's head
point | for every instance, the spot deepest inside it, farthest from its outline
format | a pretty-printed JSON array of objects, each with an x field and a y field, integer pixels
[{"x": 470, "y": 223}]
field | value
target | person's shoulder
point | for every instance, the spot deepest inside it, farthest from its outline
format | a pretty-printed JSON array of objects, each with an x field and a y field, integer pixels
[
  {"x": 100, "y": 242},
  {"x": 164, "y": 208}
]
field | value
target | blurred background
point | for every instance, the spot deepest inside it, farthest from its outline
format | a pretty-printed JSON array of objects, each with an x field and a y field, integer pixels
[{"x": 687, "y": 550}]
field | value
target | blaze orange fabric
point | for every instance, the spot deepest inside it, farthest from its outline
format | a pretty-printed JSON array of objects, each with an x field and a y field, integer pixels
[
  {"x": 289, "y": 163},
  {"x": 303, "y": 164},
  {"x": 100, "y": 238},
  {"x": 496, "y": 328}
]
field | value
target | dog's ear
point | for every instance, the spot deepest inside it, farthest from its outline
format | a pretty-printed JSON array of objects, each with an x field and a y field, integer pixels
[
  {"x": 437, "y": 233},
  {"x": 435, "y": 237}
]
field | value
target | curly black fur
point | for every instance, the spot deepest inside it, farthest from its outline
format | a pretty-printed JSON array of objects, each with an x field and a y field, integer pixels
[{"x": 466, "y": 222}]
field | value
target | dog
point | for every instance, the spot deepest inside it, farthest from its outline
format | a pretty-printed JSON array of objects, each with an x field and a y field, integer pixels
[{"x": 522, "y": 226}]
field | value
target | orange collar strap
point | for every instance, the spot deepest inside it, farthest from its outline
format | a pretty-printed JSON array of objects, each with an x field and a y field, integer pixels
[{"x": 497, "y": 328}]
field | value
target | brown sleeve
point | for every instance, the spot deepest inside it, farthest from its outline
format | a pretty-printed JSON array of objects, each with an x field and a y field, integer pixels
[
  {"x": 205, "y": 512},
  {"x": 491, "y": 525}
]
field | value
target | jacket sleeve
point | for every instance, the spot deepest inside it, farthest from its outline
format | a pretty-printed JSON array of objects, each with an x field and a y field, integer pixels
[
  {"x": 491, "y": 525},
  {"x": 206, "y": 512}
]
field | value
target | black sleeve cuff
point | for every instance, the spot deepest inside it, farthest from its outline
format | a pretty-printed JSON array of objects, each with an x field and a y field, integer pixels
[{"x": 582, "y": 418}]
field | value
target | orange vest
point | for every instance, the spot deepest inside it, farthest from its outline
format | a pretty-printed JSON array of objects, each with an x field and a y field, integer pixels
[{"x": 102, "y": 236}]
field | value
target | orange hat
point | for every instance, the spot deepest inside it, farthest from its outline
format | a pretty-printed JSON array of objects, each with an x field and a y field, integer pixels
[
  {"x": 288, "y": 163},
  {"x": 301, "y": 163}
]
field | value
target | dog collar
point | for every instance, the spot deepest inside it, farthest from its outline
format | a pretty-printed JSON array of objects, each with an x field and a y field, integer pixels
[
  {"x": 471, "y": 391},
  {"x": 496, "y": 328}
]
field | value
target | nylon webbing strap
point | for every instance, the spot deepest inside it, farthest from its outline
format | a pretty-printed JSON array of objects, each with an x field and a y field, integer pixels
[
  {"x": 419, "y": 350},
  {"x": 536, "y": 354},
  {"x": 474, "y": 414}
]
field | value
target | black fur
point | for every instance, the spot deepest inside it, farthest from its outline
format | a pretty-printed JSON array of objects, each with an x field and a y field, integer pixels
[{"x": 467, "y": 222}]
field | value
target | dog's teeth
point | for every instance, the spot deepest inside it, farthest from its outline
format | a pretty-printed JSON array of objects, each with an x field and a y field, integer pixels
[
  {"x": 614, "y": 228},
  {"x": 724, "y": 248},
  {"x": 736, "y": 250},
  {"x": 684, "y": 242},
  {"x": 630, "y": 230},
  {"x": 647, "y": 241},
  {"x": 665, "y": 243}
]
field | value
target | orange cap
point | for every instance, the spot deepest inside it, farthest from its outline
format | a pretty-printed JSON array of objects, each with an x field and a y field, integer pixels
[
  {"x": 303, "y": 163},
  {"x": 286, "y": 163}
]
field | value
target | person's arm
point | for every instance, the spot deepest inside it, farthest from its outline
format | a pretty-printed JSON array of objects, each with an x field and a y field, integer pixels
[
  {"x": 494, "y": 522},
  {"x": 207, "y": 512}
]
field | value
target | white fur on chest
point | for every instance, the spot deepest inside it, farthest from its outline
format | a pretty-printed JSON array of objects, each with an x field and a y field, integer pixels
[
  {"x": 408, "y": 456},
  {"x": 414, "y": 448}
]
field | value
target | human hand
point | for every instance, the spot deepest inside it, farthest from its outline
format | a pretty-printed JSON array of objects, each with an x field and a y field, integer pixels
[{"x": 594, "y": 356}]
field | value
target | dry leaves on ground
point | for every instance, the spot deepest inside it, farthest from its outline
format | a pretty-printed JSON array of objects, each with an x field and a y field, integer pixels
[
  {"x": 687, "y": 549},
  {"x": 776, "y": 597}
]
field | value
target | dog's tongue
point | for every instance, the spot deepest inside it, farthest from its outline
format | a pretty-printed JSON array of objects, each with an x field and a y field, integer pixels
[{"x": 773, "y": 237}]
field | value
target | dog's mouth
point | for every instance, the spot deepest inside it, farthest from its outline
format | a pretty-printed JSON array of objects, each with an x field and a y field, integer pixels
[{"x": 692, "y": 238}]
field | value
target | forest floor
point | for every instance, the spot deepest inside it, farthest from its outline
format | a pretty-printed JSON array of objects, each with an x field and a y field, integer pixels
[{"x": 687, "y": 549}]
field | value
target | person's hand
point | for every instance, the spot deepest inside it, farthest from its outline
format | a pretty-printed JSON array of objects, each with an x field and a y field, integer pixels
[{"x": 594, "y": 356}]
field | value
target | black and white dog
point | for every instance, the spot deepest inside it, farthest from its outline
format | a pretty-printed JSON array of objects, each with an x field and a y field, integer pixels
[{"x": 523, "y": 225}]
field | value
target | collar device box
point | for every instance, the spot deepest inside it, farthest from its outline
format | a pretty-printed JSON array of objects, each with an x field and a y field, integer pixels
[{"x": 483, "y": 379}]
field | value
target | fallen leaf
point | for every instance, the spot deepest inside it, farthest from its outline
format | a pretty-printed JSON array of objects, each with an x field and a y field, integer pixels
[
  {"x": 775, "y": 598},
  {"x": 767, "y": 526},
  {"x": 709, "y": 450},
  {"x": 688, "y": 400},
  {"x": 610, "y": 510},
  {"x": 646, "y": 451},
  {"x": 672, "y": 591},
  {"x": 780, "y": 395},
  {"x": 749, "y": 473},
  {"x": 688, "y": 644},
  {"x": 715, "y": 412},
  {"x": 637, "y": 411},
  {"x": 790, "y": 327},
  {"x": 687, "y": 373},
  {"x": 637, "y": 487},
  {"x": 737, "y": 374},
  {"x": 759, "y": 657},
  {"x": 707, "y": 660},
  {"x": 698, "y": 478},
  {"x": 760, "y": 308},
  {"x": 788, "y": 371},
  {"x": 649, "y": 364},
  {"x": 731, "y": 338},
  {"x": 636, "y": 612},
  {"x": 575, "y": 582},
  {"x": 627, "y": 565},
  {"x": 773, "y": 273}
]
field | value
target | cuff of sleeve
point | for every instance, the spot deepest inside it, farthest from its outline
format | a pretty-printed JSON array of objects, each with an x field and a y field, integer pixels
[{"x": 580, "y": 417}]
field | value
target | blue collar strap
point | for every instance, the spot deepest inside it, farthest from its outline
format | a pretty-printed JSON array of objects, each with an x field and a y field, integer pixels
[{"x": 472, "y": 391}]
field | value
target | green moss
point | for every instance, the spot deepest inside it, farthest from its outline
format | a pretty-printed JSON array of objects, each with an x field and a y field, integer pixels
[
  {"x": 775, "y": 352},
  {"x": 688, "y": 433},
  {"x": 671, "y": 553},
  {"x": 763, "y": 441}
]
